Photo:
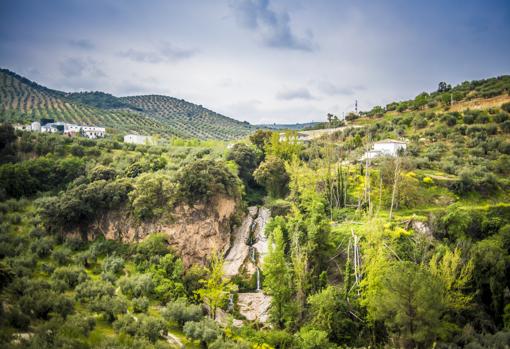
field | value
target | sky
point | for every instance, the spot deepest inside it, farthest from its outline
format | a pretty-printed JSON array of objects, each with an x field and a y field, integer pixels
[{"x": 262, "y": 61}]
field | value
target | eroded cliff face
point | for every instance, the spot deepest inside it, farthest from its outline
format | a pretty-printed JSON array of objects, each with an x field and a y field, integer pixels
[{"x": 194, "y": 232}]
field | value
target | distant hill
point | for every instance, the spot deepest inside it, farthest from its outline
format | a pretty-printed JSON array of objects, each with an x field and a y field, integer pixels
[
  {"x": 476, "y": 94},
  {"x": 294, "y": 127},
  {"x": 22, "y": 100}
]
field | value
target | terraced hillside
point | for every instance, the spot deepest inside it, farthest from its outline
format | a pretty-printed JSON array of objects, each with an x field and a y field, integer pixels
[
  {"x": 188, "y": 119},
  {"x": 22, "y": 100}
]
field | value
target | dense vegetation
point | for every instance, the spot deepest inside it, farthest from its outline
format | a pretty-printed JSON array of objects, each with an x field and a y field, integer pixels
[
  {"x": 408, "y": 252},
  {"x": 446, "y": 96},
  {"x": 23, "y": 101}
]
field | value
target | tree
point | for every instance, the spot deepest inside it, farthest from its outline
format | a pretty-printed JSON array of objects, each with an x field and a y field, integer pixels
[
  {"x": 152, "y": 196},
  {"x": 261, "y": 138},
  {"x": 443, "y": 87},
  {"x": 181, "y": 312},
  {"x": 203, "y": 179},
  {"x": 205, "y": 330},
  {"x": 216, "y": 288},
  {"x": 410, "y": 303},
  {"x": 330, "y": 313},
  {"x": 278, "y": 280},
  {"x": 272, "y": 175},
  {"x": 313, "y": 339},
  {"x": 456, "y": 275},
  {"x": 247, "y": 159}
]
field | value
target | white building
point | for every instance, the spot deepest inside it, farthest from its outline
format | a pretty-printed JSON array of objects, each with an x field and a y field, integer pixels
[
  {"x": 49, "y": 128},
  {"x": 93, "y": 131},
  {"x": 22, "y": 127},
  {"x": 35, "y": 126},
  {"x": 138, "y": 139},
  {"x": 386, "y": 147},
  {"x": 299, "y": 136}
]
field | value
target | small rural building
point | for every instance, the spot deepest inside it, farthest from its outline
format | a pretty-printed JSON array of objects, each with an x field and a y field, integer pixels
[
  {"x": 138, "y": 139},
  {"x": 299, "y": 136},
  {"x": 35, "y": 126},
  {"x": 22, "y": 127},
  {"x": 93, "y": 132},
  {"x": 386, "y": 147},
  {"x": 49, "y": 128}
]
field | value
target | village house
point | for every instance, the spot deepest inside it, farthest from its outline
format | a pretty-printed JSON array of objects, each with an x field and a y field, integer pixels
[
  {"x": 138, "y": 139},
  {"x": 386, "y": 147},
  {"x": 93, "y": 132},
  {"x": 299, "y": 136},
  {"x": 49, "y": 126}
]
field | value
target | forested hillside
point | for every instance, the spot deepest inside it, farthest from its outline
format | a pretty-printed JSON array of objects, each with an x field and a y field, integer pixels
[
  {"x": 22, "y": 100},
  {"x": 404, "y": 251}
]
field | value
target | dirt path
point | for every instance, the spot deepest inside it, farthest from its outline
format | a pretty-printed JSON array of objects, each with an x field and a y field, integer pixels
[{"x": 172, "y": 339}]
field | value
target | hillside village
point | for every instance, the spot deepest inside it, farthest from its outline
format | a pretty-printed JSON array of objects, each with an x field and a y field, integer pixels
[{"x": 72, "y": 130}]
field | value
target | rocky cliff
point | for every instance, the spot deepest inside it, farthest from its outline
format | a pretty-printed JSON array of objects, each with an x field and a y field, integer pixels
[{"x": 194, "y": 232}]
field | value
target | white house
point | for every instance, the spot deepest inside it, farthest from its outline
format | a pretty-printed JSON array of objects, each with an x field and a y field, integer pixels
[
  {"x": 22, "y": 127},
  {"x": 138, "y": 139},
  {"x": 299, "y": 136},
  {"x": 49, "y": 128},
  {"x": 35, "y": 126},
  {"x": 386, "y": 147},
  {"x": 93, "y": 131}
]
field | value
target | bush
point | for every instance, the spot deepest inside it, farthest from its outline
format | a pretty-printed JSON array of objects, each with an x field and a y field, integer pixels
[
  {"x": 61, "y": 255},
  {"x": 205, "y": 330},
  {"x": 137, "y": 285},
  {"x": 90, "y": 290},
  {"x": 140, "y": 305},
  {"x": 70, "y": 276},
  {"x": 506, "y": 107},
  {"x": 181, "y": 312},
  {"x": 201, "y": 180},
  {"x": 113, "y": 264}
]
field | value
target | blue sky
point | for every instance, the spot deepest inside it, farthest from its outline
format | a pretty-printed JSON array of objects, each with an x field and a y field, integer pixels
[{"x": 263, "y": 61}]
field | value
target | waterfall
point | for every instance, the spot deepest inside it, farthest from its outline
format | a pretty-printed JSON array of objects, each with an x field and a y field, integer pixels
[
  {"x": 253, "y": 254},
  {"x": 258, "y": 279},
  {"x": 230, "y": 302}
]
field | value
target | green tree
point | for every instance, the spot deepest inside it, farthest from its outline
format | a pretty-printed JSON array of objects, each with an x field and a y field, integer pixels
[
  {"x": 247, "y": 159},
  {"x": 205, "y": 331},
  {"x": 216, "y": 288},
  {"x": 410, "y": 303},
  {"x": 203, "y": 179},
  {"x": 152, "y": 197},
  {"x": 278, "y": 280},
  {"x": 180, "y": 311},
  {"x": 271, "y": 174},
  {"x": 261, "y": 138}
]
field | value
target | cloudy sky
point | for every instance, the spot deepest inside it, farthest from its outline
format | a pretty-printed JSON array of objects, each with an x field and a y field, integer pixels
[{"x": 263, "y": 61}]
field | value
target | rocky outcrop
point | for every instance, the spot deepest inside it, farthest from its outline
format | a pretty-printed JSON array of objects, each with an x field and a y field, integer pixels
[
  {"x": 194, "y": 232},
  {"x": 249, "y": 243},
  {"x": 240, "y": 250},
  {"x": 254, "y": 306}
]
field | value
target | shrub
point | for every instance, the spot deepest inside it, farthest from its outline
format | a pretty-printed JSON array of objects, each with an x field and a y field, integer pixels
[
  {"x": 70, "y": 276},
  {"x": 181, "y": 312},
  {"x": 61, "y": 255},
  {"x": 113, "y": 264},
  {"x": 90, "y": 290},
  {"x": 137, "y": 285},
  {"x": 501, "y": 117},
  {"x": 272, "y": 175},
  {"x": 140, "y": 305},
  {"x": 203, "y": 179},
  {"x": 506, "y": 107}
]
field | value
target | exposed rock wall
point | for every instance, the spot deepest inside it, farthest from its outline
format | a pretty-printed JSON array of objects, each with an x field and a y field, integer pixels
[
  {"x": 249, "y": 243},
  {"x": 194, "y": 233}
]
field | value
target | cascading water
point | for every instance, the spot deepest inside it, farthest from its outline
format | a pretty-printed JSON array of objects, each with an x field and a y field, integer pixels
[{"x": 258, "y": 280}]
